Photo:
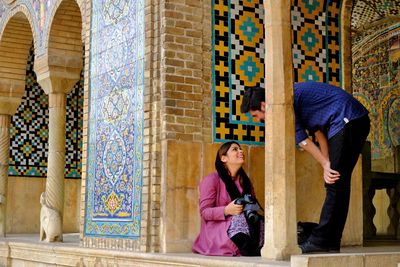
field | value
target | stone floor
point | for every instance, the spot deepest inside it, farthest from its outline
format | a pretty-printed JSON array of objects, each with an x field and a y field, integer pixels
[{"x": 26, "y": 250}]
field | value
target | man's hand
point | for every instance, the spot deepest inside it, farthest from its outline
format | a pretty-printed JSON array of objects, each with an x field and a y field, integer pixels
[
  {"x": 233, "y": 209},
  {"x": 330, "y": 176}
]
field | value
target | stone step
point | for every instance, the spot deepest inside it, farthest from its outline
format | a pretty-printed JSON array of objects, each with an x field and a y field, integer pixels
[
  {"x": 367, "y": 259},
  {"x": 27, "y": 251}
]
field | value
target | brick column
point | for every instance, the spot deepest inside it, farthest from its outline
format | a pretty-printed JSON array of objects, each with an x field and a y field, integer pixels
[
  {"x": 4, "y": 161},
  {"x": 280, "y": 182}
]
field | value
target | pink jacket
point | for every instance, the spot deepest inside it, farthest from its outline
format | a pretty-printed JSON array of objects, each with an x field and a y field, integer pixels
[{"x": 213, "y": 238}]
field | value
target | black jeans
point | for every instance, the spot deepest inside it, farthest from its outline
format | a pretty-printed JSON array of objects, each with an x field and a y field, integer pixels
[{"x": 344, "y": 149}]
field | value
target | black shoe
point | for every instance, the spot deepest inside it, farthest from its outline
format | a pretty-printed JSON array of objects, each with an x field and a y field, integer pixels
[
  {"x": 304, "y": 230},
  {"x": 308, "y": 247}
]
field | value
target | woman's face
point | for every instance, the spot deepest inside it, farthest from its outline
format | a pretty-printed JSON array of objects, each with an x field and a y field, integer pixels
[{"x": 234, "y": 155}]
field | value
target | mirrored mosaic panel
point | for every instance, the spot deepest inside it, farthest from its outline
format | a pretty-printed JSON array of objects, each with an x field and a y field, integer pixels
[
  {"x": 366, "y": 12},
  {"x": 376, "y": 85}
]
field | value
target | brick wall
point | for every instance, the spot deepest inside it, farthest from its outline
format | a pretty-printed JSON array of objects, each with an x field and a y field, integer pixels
[{"x": 185, "y": 69}]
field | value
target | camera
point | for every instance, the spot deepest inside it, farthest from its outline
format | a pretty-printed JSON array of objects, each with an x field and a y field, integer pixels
[{"x": 250, "y": 207}]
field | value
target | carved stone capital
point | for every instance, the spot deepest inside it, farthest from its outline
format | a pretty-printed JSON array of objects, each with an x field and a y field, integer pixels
[
  {"x": 56, "y": 77},
  {"x": 9, "y": 105}
]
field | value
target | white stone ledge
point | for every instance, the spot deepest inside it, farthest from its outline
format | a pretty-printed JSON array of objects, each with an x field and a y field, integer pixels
[{"x": 27, "y": 251}]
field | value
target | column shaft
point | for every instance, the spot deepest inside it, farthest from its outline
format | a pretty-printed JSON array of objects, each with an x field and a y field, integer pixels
[
  {"x": 280, "y": 182},
  {"x": 4, "y": 162},
  {"x": 56, "y": 156}
]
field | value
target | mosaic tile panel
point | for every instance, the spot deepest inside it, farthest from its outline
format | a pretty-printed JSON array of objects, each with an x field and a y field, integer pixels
[
  {"x": 238, "y": 61},
  {"x": 113, "y": 197},
  {"x": 316, "y": 40},
  {"x": 333, "y": 42},
  {"x": 376, "y": 84},
  {"x": 74, "y": 130},
  {"x": 29, "y": 130}
]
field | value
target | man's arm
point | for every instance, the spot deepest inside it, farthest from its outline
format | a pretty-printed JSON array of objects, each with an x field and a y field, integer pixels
[
  {"x": 330, "y": 176},
  {"x": 323, "y": 144}
]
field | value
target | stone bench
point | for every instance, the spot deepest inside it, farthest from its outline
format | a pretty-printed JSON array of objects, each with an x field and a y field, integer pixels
[{"x": 373, "y": 181}]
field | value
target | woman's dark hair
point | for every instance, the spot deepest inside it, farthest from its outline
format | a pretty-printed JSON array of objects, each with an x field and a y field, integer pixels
[
  {"x": 223, "y": 172},
  {"x": 252, "y": 98}
]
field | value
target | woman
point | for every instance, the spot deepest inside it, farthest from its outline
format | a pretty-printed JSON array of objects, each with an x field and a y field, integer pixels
[{"x": 224, "y": 228}]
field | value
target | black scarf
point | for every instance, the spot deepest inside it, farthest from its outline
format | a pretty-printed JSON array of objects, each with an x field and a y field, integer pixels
[{"x": 229, "y": 183}]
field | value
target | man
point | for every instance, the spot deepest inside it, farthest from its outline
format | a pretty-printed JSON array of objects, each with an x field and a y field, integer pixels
[{"x": 341, "y": 125}]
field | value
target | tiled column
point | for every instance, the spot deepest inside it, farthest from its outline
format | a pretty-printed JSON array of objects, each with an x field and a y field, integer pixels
[
  {"x": 54, "y": 194},
  {"x": 280, "y": 182},
  {"x": 4, "y": 161}
]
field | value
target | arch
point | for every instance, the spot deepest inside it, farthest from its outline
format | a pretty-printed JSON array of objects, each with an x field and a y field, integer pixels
[
  {"x": 373, "y": 39},
  {"x": 15, "y": 43},
  {"x": 63, "y": 48},
  {"x": 52, "y": 14},
  {"x": 32, "y": 22}
]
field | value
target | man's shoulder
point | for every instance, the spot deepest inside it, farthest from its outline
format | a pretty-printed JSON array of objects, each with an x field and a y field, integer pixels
[{"x": 312, "y": 84}]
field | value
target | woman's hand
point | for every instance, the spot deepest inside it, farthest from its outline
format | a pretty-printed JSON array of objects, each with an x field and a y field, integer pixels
[
  {"x": 233, "y": 209},
  {"x": 330, "y": 176}
]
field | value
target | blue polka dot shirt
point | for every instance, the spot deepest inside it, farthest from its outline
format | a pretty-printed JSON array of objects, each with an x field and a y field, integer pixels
[{"x": 320, "y": 106}]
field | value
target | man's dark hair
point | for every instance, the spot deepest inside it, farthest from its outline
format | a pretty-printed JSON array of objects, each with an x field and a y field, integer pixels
[{"x": 252, "y": 98}]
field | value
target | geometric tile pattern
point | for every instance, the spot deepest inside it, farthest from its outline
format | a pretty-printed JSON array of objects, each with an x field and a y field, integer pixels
[
  {"x": 115, "y": 144},
  {"x": 316, "y": 40},
  {"x": 238, "y": 61},
  {"x": 29, "y": 130},
  {"x": 376, "y": 83},
  {"x": 363, "y": 13},
  {"x": 74, "y": 130}
]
